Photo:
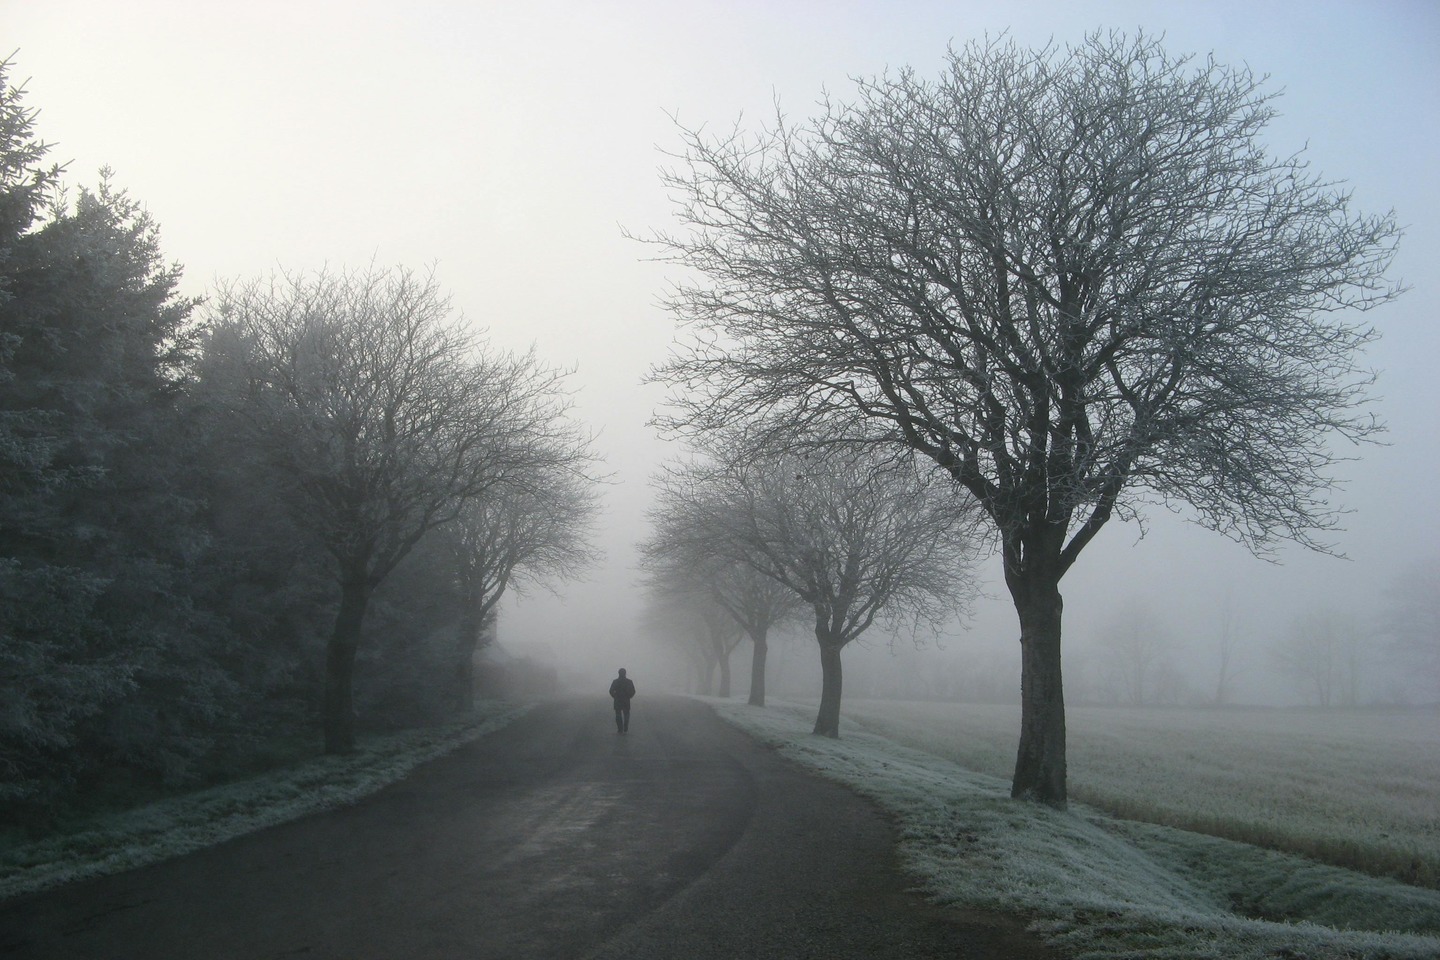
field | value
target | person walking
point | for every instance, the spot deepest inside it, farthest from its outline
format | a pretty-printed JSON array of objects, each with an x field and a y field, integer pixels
[{"x": 622, "y": 688}]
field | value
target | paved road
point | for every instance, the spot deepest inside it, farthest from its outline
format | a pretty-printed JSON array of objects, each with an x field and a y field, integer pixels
[{"x": 553, "y": 838}]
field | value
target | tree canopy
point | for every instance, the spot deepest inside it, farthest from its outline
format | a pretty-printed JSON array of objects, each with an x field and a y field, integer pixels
[
  {"x": 855, "y": 535},
  {"x": 388, "y": 417},
  {"x": 1074, "y": 278}
]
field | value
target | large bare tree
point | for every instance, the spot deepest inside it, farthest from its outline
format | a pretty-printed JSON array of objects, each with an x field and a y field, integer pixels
[
  {"x": 385, "y": 413},
  {"x": 1074, "y": 278}
]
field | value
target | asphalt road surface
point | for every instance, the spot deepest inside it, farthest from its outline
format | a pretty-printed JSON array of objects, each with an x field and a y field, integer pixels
[{"x": 552, "y": 838}]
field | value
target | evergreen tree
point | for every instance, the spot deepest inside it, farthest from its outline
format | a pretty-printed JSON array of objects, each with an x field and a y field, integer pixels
[{"x": 106, "y": 659}]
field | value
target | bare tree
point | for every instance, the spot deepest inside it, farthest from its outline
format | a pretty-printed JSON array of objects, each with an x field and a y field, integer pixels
[
  {"x": 683, "y": 609},
  {"x": 1413, "y": 621},
  {"x": 1228, "y": 649},
  {"x": 855, "y": 535},
  {"x": 1073, "y": 278},
  {"x": 385, "y": 414},
  {"x": 758, "y": 604},
  {"x": 1323, "y": 654},
  {"x": 685, "y": 539},
  {"x": 526, "y": 532},
  {"x": 1136, "y": 646}
]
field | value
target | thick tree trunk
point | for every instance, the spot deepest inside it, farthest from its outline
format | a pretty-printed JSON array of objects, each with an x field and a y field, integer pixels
[
  {"x": 757, "y": 671},
  {"x": 827, "y": 722},
  {"x": 338, "y": 714},
  {"x": 1040, "y": 762}
]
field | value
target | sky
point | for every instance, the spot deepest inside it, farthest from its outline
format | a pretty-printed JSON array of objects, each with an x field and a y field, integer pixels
[{"x": 513, "y": 146}]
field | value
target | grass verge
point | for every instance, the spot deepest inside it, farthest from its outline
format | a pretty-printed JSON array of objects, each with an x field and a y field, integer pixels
[
  {"x": 1096, "y": 886},
  {"x": 179, "y": 825},
  {"x": 1353, "y": 788}
]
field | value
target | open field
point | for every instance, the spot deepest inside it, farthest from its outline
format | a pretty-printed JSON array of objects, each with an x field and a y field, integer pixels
[
  {"x": 1098, "y": 886},
  {"x": 1358, "y": 789}
]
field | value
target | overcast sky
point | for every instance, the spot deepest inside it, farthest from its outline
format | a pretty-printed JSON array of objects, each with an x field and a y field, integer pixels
[{"x": 509, "y": 144}]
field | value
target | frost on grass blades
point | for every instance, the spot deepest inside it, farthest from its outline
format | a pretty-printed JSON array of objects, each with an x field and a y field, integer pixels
[
  {"x": 1358, "y": 789},
  {"x": 1094, "y": 885},
  {"x": 187, "y": 823}
]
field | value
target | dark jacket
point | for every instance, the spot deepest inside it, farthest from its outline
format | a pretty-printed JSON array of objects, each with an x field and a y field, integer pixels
[{"x": 622, "y": 689}]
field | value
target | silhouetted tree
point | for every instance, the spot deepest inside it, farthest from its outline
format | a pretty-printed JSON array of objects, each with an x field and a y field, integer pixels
[
  {"x": 854, "y": 535},
  {"x": 1137, "y": 654},
  {"x": 1073, "y": 278},
  {"x": 387, "y": 416},
  {"x": 1413, "y": 621},
  {"x": 1322, "y": 653},
  {"x": 1227, "y": 649},
  {"x": 681, "y": 610},
  {"x": 683, "y": 539},
  {"x": 524, "y": 533}
]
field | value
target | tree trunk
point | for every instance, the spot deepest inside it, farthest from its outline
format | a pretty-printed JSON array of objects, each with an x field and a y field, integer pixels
[
  {"x": 723, "y": 657},
  {"x": 827, "y": 722},
  {"x": 757, "y": 670},
  {"x": 467, "y": 639},
  {"x": 707, "y": 676},
  {"x": 1040, "y": 762},
  {"x": 339, "y": 709}
]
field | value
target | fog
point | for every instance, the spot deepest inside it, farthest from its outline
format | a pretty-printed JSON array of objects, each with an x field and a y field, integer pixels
[{"x": 511, "y": 146}]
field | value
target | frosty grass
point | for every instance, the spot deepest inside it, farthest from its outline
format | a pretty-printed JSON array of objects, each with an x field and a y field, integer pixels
[
  {"x": 187, "y": 823},
  {"x": 1093, "y": 885}
]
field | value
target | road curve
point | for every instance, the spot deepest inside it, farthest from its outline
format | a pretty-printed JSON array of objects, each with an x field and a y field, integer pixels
[{"x": 552, "y": 838}]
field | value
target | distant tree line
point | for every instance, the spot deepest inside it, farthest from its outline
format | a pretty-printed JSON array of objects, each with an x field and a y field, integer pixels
[
  {"x": 748, "y": 536},
  {"x": 225, "y": 524},
  {"x": 1328, "y": 657}
]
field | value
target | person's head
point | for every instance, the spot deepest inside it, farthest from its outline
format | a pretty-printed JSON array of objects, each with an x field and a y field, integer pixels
[{"x": 622, "y": 671}]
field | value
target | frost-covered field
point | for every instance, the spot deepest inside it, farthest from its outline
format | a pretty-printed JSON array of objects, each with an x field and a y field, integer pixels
[
  {"x": 1098, "y": 886},
  {"x": 1355, "y": 789},
  {"x": 182, "y": 824}
]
